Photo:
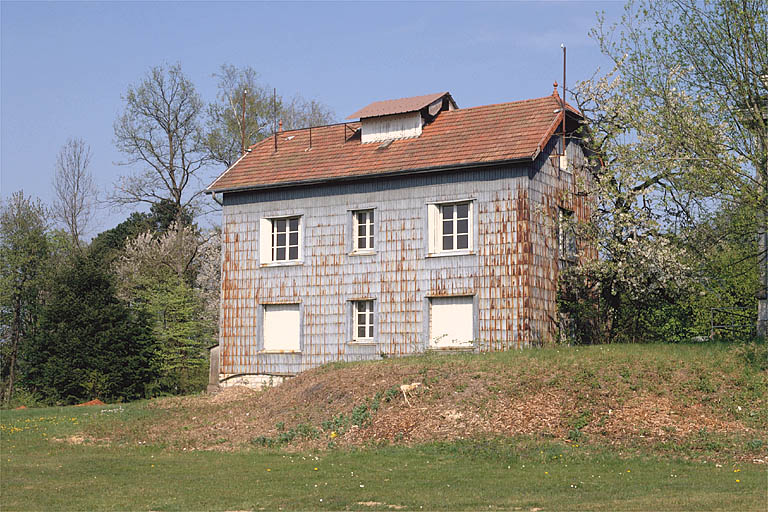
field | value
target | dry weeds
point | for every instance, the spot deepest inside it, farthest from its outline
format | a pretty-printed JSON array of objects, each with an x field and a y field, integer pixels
[{"x": 455, "y": 401}]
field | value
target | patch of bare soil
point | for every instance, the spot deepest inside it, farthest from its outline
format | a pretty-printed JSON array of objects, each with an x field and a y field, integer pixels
[
  {"x": 363, "y": 404},
  {"x": 95, "y": 401}
]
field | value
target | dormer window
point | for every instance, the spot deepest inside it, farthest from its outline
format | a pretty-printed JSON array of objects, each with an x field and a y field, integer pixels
[{"x": 400, "y": 119}]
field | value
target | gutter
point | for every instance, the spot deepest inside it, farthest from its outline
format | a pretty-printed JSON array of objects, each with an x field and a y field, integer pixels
[{"x": 320, "y": 181}]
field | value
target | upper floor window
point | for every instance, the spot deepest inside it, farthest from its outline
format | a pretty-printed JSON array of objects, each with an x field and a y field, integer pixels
[
  {"x": 285, "y": 239},
  {"x": 280, "y": 240},
  {"x": 450, "y": 226},
  {"x": 454, "y": 220},
  {"x": 363, "y": 231}
]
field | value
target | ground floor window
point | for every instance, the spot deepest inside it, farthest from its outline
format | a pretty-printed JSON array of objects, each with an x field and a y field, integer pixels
[
  {"x": 362, "y": 311},
  {"x": 451, "y": 321},
  {"x": 282, "y": 328}
]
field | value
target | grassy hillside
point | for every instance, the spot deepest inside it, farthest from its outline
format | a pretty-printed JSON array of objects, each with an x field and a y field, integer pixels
[
  {"x": 693, "y": 400},
  {"x": 599, "y": 428}
]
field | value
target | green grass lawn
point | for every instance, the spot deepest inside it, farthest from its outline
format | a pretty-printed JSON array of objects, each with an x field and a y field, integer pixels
[{"x": 40, "y": 473}]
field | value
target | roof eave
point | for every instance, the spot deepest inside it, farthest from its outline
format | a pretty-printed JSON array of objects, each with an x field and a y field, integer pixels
[{"x": 359, "y": 177}]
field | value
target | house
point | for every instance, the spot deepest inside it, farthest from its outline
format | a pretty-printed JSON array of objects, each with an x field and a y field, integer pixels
[{"x": 417, "y": 226}]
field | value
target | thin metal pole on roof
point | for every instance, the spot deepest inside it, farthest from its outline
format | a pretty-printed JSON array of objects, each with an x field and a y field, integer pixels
[
  {"x": 245, "y": 91},
  {"x": 274, "y": 116},
  {"x": 310, "y": 137},
  {"x": 563, "y": 99}
]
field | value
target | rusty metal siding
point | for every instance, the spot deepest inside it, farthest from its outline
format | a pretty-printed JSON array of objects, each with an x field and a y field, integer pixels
[
  {"x": 551, "y": 189},
  {"x": 511, "y": 272}
]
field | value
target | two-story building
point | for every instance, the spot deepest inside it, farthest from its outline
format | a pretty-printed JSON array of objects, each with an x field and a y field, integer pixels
[{"x": 417, "y": 226}]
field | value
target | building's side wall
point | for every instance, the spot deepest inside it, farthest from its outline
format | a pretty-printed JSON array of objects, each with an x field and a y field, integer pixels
[
  {"x": 399, "y": 276},
  {"x": 550, "y": 189}
]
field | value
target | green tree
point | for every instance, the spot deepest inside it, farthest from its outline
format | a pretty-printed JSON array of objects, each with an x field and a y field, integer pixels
[
  {"x": 679, "y": 128},
  {"x": 24, "y": 252},
  {"x": 158, "y": 274},
  {"x": 89, "y": 344},
  {"x": 109, "y": 244}
]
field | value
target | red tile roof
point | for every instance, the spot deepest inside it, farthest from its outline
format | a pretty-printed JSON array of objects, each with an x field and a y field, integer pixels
[
  {"x": 458, "y": 138},
  {"x": 400, "y": 106}
]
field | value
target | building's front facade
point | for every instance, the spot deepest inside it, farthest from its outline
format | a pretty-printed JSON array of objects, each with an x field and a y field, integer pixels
[{"x": 435, "y": 228}]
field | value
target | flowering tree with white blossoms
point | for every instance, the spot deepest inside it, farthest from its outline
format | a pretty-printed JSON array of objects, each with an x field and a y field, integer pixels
[
  {"x": 173, "y": 276},
  {"x": 679, "y": 132}
]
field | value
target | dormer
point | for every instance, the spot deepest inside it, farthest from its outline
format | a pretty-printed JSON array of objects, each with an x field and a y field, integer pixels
[{"x": 401, "y": 119}]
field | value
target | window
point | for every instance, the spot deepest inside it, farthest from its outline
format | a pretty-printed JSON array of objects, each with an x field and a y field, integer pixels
[
  {"x": 451, "y": 322},
  {"x": 450, "y": 226},
  {"x": 566, "y": 235},
  {"x": 362, "y": 329},
  {"x": 285, "y": 239},
  {"x": 282, "y": 328},
  {"x": 280, "y": 240},
  {"x": 363, "y": 231},
  {"x": 455, "y": 226}
]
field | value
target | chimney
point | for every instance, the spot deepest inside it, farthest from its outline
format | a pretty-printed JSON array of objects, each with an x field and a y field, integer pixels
[{"x": 281, "y": 126}]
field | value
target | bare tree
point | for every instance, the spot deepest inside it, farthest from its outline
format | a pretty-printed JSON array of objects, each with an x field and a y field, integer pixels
[
  {"x": 242, "y": 113},
  {"x": 160, "y": 130},
  {"x": 75, "y": 193},
  {"x": 246, "y": 111}
]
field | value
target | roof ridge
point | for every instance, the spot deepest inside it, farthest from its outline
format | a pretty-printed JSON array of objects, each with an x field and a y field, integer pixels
[{"x": 529, "y": 100}]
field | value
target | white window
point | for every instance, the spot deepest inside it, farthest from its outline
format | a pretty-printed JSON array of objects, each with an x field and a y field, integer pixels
[
  {"x": 451, "y": 322},
  {"x": 280, "y": 240},
  {"x": 450, "y": 226},
  {"x": 363, "y": 231},
  {"x": 362, "y": 310},
  {"x": 281, "y": 328}
]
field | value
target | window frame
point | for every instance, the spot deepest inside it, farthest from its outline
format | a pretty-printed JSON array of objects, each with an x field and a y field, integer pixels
[
  {"x": 436, "y": 219},
  {"x": 352, "y": 321},
  {"x": 267, "y": 240},
  {"x": 370, "y": 227}
]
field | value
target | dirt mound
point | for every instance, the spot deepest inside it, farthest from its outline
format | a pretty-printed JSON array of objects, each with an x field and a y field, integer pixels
[
  {"x": 614, "y": 401},
  {"x": 95, "y": 401}
]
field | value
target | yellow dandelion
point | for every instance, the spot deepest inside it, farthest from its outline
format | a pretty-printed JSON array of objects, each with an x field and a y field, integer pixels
[
  {"x": 315, "y": 469},
  {"x": 269, "y": 469},
  {"x": 736, "y": 470},
  {"x": 628, "y": 471},
  {"x": 738, "y": 481},
  {"x": 546, "y": 472}
]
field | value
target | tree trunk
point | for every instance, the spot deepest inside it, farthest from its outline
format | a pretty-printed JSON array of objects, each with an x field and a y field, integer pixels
[{"x": 762, "y": 250}]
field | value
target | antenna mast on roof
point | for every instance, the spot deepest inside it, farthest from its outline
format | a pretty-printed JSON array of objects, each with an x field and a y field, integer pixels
[
  {"x": 562, "y": 45},
  {"x": 274, "y": 115},
  {"x": 242, "y": 126}
]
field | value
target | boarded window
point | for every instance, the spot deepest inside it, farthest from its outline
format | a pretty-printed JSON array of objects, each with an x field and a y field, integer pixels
[
  {"x": 282, "y": 327},
  {"x": 451, "y": 321}
]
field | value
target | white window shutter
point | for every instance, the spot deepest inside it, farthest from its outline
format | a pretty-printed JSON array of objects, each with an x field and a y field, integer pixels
[
  {"x": 282, "y": 328},
  {"x": 265, "y": 241},
  {"x": 433, "y": 222}
]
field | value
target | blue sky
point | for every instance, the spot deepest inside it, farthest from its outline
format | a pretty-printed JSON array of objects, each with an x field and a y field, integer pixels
[{"x": 64, "y": 65}]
